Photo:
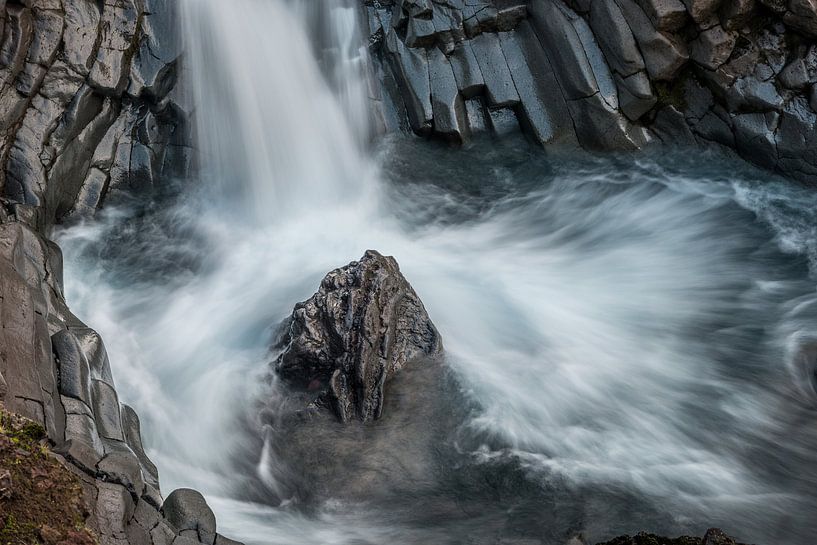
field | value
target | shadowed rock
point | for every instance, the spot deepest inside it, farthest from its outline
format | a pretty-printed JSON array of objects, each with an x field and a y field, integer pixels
[{"x": 348, "y": 340}]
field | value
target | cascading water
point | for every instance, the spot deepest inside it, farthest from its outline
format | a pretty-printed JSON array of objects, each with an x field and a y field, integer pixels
[{"x": 631, "y": 340}]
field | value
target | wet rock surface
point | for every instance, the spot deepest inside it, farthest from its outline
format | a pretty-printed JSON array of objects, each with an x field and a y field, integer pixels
[
  {"x": 87, "y": 107},
  {"x": 606, "y": 74},
  {"x": 88, "y": 110},
  {"x": 344, "y": 344},
  {"x": 56, "y": 373}
]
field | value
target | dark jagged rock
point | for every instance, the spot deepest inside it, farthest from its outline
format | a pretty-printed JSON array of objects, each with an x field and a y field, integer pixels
[
  {"x": 713, "y": 536},
  {"x": 349, "y": 339}
]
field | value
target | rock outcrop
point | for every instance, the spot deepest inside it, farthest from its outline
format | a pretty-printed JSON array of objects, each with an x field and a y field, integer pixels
[
  {"x": 342, "y": 345},
  {"x": 88, "y": 108},
  {"x": 55, "y": 371},
  {"x": 604, "y": 74},
  {"x": 87, "y": 104}
]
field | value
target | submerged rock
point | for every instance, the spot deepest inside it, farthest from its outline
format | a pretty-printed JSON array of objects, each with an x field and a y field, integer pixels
[{"x": 344, "y": 343}]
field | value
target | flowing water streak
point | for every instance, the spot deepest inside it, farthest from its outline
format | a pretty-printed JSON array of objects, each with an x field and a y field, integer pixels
[
  {"x": 268, "y": 126},
  {"x": 611, "y": 320}
]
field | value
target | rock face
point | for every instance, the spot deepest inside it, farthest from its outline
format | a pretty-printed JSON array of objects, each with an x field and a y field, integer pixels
[
  {"x": 713, "y": 536},
  {"x": 55, "y": 371},
  {"x": 87, "y": 106},
  {"x": 88, "y": 109},
  {"x": 344, "y": 344},
  {"x": 604, "y": 74}
]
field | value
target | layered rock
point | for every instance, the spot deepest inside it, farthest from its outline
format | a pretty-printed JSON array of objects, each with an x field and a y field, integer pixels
[
  {"x": 604, "y": 74},
  {"x": 55, "y": 371},
  {"x": 86, "y": 104},
  {"x": 346, "y": 342}
]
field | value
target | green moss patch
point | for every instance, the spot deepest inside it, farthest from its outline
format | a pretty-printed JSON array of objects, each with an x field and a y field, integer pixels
[{"x": 41, "y": 500}]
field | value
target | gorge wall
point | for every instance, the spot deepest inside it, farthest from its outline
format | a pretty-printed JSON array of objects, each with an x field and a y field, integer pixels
[
  {"x": 88, "y": 109},
  {"x": 604, "y": 74}
]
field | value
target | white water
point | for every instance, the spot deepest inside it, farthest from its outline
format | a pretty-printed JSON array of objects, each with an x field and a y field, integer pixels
[{"x": 633, "y": 331}]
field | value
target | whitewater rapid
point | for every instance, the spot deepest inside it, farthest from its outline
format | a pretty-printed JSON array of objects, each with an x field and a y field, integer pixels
[{"x": 634, "y": 333}]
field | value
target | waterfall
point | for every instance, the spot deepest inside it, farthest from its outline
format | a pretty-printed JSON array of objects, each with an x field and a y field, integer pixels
[
  {"x": 274, "y": 132},
  {"x": 626, "y": 336}
]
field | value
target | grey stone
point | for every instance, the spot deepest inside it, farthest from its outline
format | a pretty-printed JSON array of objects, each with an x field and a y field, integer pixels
[
  {"x": 735, "y": 14},
  {"x": 119, "y": 24},
  {"x": 75, "y": 374},
  {"x": 543, "y": 112},
  {"x": 755, "y": 138},
  {"x": 715, "y": 536},
  {"x": 186, "y": 509},
  {"x": 635, "y": 95},
  {"x": 92, "y": 193},
  {"x": 421, "y": 33},
  {"x": 801, "y": 72},
  {"x": 137, "y": 535},
  {"x": 221, "y": 540},
  {"x": 466, "y": 71},
  {"x": 615, "y": 38},
  {"x": 802, "y": 15},
  {"x": 410, "y": 68},
  {"x": 664, "y": 54},
  {"x": 713, "y": 47},
  {"x": 813, "y": 98},
  {"x": 714, "y": 128},
  {"x": 186, "y": 537},
  {"x": 671, "y": 127},
  {"x": 106, "y": 410},
  {"x": 501, "y": 91},
  {"x": 447, "y": 104},
  {"x": 701, "y": 10},
  {"x": 114, "y": 509},
  {"x": 360, "y": 329},
  {"x": 477, "y": 117},
  {"x": 145, "y": 515},
  {"x": 152, "y": 495},
  {"x": 120, "y": 465},
  {"x": 154, "y": 68},
  {"x": 503, "y": 121},
  {"x": 565, "y": 49},
  {"x": 81, "y": 27},
  {"x": 666, "y": 15},
  {"x": 796, "y": 140},
  {"x": 94, "y": 349},
  {"x": 162, "y": 534},
  {"x": 133, "y": 437},
  {"x": 749, "y": 93}
]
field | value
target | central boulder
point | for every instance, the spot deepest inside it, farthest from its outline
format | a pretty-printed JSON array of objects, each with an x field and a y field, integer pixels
[{"x": 342, "y": 346}]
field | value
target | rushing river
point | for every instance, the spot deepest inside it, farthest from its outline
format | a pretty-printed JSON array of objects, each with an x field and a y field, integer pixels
[{"x": 630, "y": 339}]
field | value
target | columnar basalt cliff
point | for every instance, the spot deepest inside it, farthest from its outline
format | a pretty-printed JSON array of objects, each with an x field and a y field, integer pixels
[
  {"x": 604, "y": 74},
  {"x": 87, "y": 104},
  {"x": 87, "y": 109}
]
